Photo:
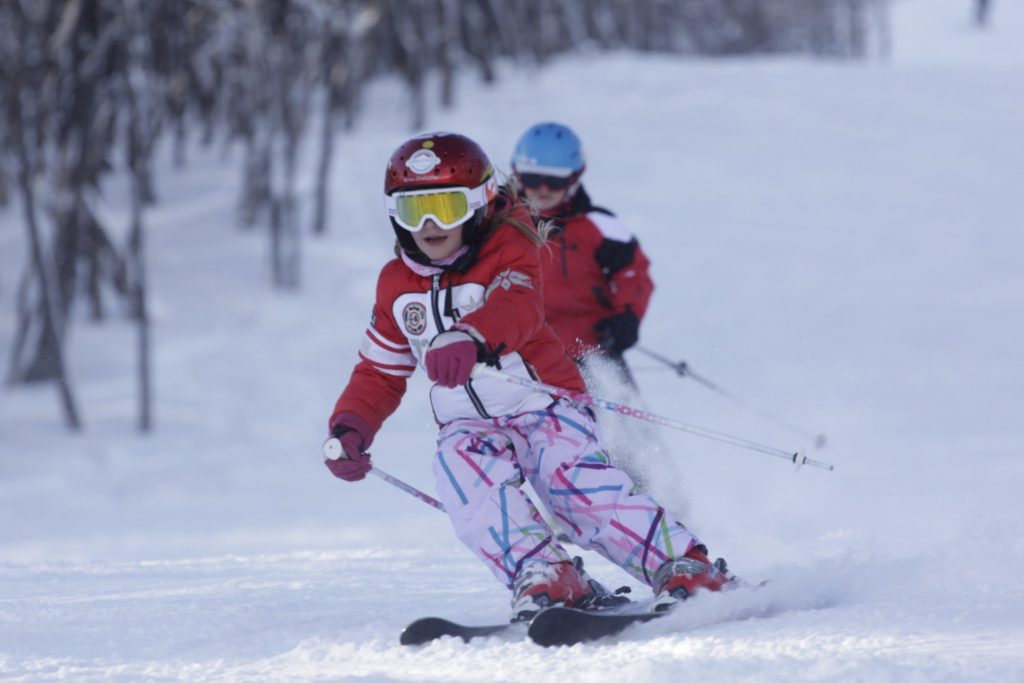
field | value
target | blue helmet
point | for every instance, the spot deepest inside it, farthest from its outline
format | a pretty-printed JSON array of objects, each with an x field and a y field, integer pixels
[{"x": 549, "y": 149}]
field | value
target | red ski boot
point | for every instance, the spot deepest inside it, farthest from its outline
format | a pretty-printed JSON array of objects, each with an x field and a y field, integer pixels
[
  {"x": 544, "y": 584},
  {"x": 679, "y": 579}
]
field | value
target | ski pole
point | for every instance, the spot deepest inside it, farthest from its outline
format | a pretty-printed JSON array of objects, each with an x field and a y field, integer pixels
[
  {"x": 684, "y": 370},
  {"x": 798, "y": 458},
  {"x": 334, "y": 451}
]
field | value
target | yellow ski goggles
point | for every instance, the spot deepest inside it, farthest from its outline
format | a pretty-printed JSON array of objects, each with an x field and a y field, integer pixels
[{"x": 448, "y": 207}]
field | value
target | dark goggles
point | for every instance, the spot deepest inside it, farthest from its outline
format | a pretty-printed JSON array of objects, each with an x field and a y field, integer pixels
[{"x": 532, "y": 181}]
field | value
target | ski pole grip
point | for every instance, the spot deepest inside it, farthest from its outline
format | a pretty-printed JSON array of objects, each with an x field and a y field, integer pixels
[{"x": 333, "y": 450}]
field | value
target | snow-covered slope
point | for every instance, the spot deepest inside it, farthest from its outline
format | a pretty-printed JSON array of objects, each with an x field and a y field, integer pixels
[{"x": 836, "y": 243}]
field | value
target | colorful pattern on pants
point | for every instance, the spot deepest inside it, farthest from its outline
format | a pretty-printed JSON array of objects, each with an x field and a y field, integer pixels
[{"x": 481, "y": 465}]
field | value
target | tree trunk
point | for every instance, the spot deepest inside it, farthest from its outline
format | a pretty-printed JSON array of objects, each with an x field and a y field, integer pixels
[
  {"x": 323, "y": 171},
  {"x": 446, "y": 12},
  {"x": 50, "y": 328},
  {"x": 136, "y": 254},
  {"x": 981, "y": 12}
]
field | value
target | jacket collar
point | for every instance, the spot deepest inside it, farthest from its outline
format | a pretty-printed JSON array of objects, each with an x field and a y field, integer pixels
[{"x": 435, "y": 267}]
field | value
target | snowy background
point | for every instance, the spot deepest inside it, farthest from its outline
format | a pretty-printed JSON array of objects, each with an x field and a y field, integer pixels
[{"x": 836, "y": 242}]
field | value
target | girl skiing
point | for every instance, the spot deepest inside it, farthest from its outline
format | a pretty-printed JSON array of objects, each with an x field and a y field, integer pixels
[{"x": 466, "y": 288}]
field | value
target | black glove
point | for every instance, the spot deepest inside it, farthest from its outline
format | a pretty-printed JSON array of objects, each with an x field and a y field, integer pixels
[{"x": 618, "y": 332}]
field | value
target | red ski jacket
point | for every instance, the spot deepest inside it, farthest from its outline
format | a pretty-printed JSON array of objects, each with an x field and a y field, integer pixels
[
  {"x": 498, "y": 299},
  {"x": 593, "y": 269}
]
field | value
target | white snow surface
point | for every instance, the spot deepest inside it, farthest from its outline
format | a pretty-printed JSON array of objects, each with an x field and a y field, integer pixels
[{"x": 838, "y": 243}]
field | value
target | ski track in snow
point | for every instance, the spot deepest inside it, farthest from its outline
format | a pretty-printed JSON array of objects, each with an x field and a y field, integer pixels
[
  {"x": 837, "y": 243},
  {"x": 274, "y": 625}
]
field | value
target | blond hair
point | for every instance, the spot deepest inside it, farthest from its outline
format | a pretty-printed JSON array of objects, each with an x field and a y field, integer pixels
[{"x": 536, "y": 231}]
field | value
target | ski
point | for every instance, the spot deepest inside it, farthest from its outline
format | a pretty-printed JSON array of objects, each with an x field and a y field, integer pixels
[
  {"x": 428, "y": 629},
  {"x": 568, "y": 626}
]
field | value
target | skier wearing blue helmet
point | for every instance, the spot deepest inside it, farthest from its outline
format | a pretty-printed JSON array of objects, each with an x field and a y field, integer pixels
[
  {"x": 597, "y": 289},
  {"x": 597, "y": 274}
]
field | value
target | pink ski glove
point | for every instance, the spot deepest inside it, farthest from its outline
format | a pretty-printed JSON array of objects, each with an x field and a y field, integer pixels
[
  {"x": 451, "y": 357},
  {"x": 355, "y": 436}
]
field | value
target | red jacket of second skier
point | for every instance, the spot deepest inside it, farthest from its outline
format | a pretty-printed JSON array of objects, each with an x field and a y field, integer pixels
[{"x": 593, "y": 268}]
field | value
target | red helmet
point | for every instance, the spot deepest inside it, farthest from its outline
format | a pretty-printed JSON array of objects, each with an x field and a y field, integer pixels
[{"x": 437, "y": 160}]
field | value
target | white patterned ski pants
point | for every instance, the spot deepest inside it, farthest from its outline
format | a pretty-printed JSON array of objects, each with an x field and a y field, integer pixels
[{"x": 481, "y": 463}]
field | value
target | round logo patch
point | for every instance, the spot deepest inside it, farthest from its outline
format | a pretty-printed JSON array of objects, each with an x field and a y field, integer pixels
[
  {"x": 422, "y": 161},
  {"x": 414, "y": 316}
]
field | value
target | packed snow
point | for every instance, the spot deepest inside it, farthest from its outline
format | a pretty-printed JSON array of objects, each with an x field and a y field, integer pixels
[{"x": 835, "y": 243}]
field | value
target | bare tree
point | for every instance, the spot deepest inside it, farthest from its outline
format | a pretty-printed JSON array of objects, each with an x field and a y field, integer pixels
[
  {"x": 982, "y": 10},
  {"x": 142, "y": 129},
  {"x": 26, "y": 118},
  {"x": 90, "y": 87}
]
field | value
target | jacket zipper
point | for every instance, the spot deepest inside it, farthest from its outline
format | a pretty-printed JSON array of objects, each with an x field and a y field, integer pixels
[
  {"x": 435, "y": 295},
  {"x": 435, "y": 292}
]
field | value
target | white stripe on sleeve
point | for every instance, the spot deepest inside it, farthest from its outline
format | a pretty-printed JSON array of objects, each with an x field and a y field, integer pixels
[{"x": 386, "y": 359}]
